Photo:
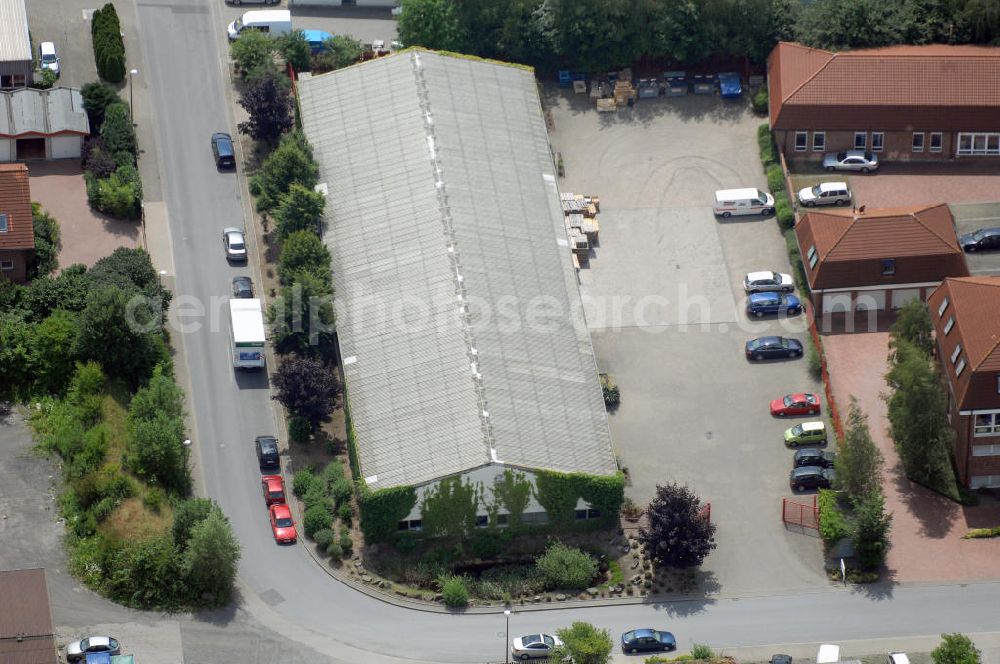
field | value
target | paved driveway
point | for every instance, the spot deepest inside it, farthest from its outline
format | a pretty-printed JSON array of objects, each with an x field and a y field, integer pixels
[
  {"x": 927, "y": 529},
  {"x": 664, "y": 304},
  {"x": 913, "y": 184}
]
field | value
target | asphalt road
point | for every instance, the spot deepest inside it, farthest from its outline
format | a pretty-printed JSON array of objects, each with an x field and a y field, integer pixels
[{"x": 183, "y": 44}]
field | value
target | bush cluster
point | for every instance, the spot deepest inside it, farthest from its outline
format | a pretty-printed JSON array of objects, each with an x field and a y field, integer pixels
[
  {"x": 109, "y": 47},
  {"x": 454, "y": 591},
  {"x": 112, "y": 179},
  {"x": 324, "y": 496},
  {"x": 566, "y": 567},
  {"x": 47, "y": 241}
]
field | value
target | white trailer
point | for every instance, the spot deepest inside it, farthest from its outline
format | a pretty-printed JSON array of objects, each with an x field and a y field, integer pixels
[{"x": 246, "y": 333}]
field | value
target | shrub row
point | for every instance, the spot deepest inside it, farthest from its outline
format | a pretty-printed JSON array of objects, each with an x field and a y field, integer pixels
[
  {"x": 325, "y": 496},
  {"x": 833, "y": 527},
  {"x": 109, "y": 47},
  {"x": 112, "y": 179}
]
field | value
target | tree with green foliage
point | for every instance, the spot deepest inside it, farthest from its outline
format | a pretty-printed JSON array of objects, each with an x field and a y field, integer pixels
[
  {"x": 97, "y": 96},
  {"x": 454, "y": 592},
  {"x": 52, "y": 358},
  {"x": 918, "y": 418},
  {"x": 583, "y": 644},
  {"x": 188, "y": 514},
  {"x": 253, "y": 51},
  {"x": 67, "y": 291},
  {"x": 299, "y": 209},
  {"x": 15, "y": 355},
  {"x": 301, "y": 252},
  {"x": 269, "y": 105},
  {"x": 109, "y": 47},
  {"x": 339, "y": 51},
  {"x": 430, "y": 23},
  {"x": 209, "y": 563},
  {"x": 10, "y": 294},
  {"x": 956, "y": 649},
  {"x": 859, "y": 462},
  {"x": 290, "y": 163},
  {"x": 913, "y": 324},
  {"x": 47, "y": 241},
  {"x": 160, "y": 396},
  {"x": 449, "y": 508},
  {"x": 116, "y": 330},
  {"x": 679, "y": 534},
  {"x": 117, "y": 130},
  {"x": 306, "y": 386},
  {"x": 296, "y": 50},
  {"x": 128, "y": 266},
  {"x": 156, "y": 451},
  {"x": 844, "y": 24},
  {"x": 302, "y": 316},
  {"x": 566, "y": 567},
  {"x": 871, "y": 530}
]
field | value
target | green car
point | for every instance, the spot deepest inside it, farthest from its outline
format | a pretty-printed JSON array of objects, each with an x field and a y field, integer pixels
[{"x": 807, "y": 433}]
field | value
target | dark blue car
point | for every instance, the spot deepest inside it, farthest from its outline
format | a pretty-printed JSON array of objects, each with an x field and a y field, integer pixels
[
  {"x": 767, "y": 348},
  {"x": 729, "y": 85},
  {"x": 639, "y": 640},
  {"x": 760, "y": 304}
]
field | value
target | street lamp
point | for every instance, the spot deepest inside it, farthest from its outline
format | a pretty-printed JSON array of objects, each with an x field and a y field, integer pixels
[
  {"x": 506, "y": 639},
  {"x": 131, "y": 74}
]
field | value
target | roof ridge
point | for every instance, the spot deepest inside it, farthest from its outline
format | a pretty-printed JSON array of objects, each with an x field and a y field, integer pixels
[
  {"x": 916, "y": 216},
  {"x": 968, "y": 281},
  {"x": 833, "y": 56},
  {"x": 840, "y": 239}
]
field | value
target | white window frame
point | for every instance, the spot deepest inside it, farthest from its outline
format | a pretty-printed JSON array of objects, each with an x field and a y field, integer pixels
[
  {"x": 981, "y": 143},
  {"x": 950, "y": 324},
  {"x": 942, "y": 307},
  {"x": 992, "y": 429},
  {"x": 917, "y": 145},
  {"x": 6, "y": 266},
  {"x": 960, "y": 367},
  {"x": 864, "y": 140},
  {"x": 955, "y": 353},
  {"x": 881, "y": 141},
  {"x": 819, "y": 141},
  {"x": 805, "y": 141},
  {"x": 4, "y": 222},
  {"x": 940, "y": 142},
  {"x": 985, "y": 450}
]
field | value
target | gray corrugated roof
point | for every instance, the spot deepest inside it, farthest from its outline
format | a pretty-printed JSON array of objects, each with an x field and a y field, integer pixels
[
  {"x": 440, "y": 167},
  {"x": 45, "y": 112},
  {"x": 14, "y": 42}
]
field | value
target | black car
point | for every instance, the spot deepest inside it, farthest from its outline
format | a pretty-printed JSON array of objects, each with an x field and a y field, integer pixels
[
  {"x": 811, "y": 477},
  {"x": 767, "y": 348},
  {"x": 267, "y": 451},
  {"x": 639, "y": 640},
  {"x": 811, "y": 456},
  {"x": 985, "y": 239},
  {"x": 242, "y": 287},
  {"x": 223, "y": 151}
]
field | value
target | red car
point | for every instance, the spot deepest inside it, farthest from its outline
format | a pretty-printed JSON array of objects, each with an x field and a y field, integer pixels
[
  {"x": 274, "y": 489},
  {"x": 796, "y": 404},
  {"x": 282, "y": 524}
]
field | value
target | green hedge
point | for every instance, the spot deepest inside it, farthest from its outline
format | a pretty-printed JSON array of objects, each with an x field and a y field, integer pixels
[
  {"x": 783, "y": 210},
  {"x": 832, "y": 525},
  {"x": 768, "y": 152},
  {"x": 109, "y": 47},
  {"x": 760, "y": 102},
  {"x": 382, "y": 509},
  {"x": 775, "y": 178}
]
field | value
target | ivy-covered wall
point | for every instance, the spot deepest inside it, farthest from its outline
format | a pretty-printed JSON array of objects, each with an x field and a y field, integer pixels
[{"x": 559, "y": 493}]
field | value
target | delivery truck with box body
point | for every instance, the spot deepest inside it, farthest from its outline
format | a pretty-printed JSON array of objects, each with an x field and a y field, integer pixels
[{"x": 246, "y": 333}]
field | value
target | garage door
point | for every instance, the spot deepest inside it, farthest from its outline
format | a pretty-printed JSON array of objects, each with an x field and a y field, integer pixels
[
  {"x": 869, "y": 300},
  {"x": 6, "y": 150},
  {"x": 66, "y": 147},
  {"x": 837, "y": 302},
  {"x": 903, "y": 295}
]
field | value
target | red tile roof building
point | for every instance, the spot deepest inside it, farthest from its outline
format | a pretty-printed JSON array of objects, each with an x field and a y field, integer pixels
[
  {"x": 17, "y": 235},
  {"x": 966, "y": 315},
  {"x": 903, "y": 102},
  {"x": 878, "y": 259}
]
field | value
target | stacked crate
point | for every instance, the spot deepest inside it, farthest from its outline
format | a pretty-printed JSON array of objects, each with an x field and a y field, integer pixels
[{"x": 582, "y": 227}]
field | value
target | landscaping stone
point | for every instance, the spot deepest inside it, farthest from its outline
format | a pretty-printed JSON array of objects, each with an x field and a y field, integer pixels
[
  {"x": 438, "y": 597},
  {"x": 593, "y": 592},
  {"x": 536, "y": 599},
  {"x": 560, "y": 597}
]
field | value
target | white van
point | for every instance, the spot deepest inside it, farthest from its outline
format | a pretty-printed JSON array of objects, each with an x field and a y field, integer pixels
[
  {"x": 729, "y": 202},
  {"x": 275, "y": 22}
]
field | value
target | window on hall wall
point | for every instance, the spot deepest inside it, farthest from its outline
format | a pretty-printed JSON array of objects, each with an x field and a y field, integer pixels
[
  {"x": 978, "y": 144},
  {"x": 950, "y": 324},
  {"x": 918, "y": 141},
  {"x": 801, "y": 141},
  {"x": 6, "y": 266},
  {"x": 937, "y": 141},
  {"x": 985, "y": 450},
  {"x": 4, "y": 226},
  {"x": 819, "y": 141},
  {"x": 889, "y": 267},
  {"x": 860, "y": 140},
  {"x": 878, "y": 141},
  {"x": 812, "y": 256},
  {"x": 987, "y": 424},
  {"x": 960, "y": 367}
]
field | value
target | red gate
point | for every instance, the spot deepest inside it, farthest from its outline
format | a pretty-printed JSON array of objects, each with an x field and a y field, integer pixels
[{"x": 800, "y": 514}]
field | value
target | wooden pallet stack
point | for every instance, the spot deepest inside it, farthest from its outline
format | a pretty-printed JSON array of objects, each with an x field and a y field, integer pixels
[{"x": 582, "y": 227}]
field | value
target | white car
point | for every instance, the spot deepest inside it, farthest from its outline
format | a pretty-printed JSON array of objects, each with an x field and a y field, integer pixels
[
  {"x": 531, "y": 646},
  {"x": 825, "y": 193},
  {"x": 78, "y": 650},
  {"x": 48, "y": 57},
  {"x": 762, "y": 282},
  {"x": 235, "y": 244}
]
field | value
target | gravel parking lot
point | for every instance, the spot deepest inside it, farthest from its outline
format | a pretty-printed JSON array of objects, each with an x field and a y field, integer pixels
[{"x": 664, "y": 302}]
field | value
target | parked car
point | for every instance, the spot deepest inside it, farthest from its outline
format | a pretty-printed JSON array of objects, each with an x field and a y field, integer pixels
[
  {"x": 806, "y": 433},
  {"x": 274, "y": 489},
  {"x": 825, "y": 193},
  {"x": 897, "y": 658},
  {"x": 780, "y": 659},
  {"x": 282, "y": 524},
  {"x": 242, "y": 288},
  {"x": 729, "y": 85},
  {"x": 851, "y": 160},
  {"x": 813, "y": 456},
  {"x": 234, "y": 243},
  {"x": 760, "y": 304},
  {"x": 760, "y": 282},
  {"x": 531, "y": 646},
  {"x": 801, "y": 403},
  {"x": 267, "y": 451},
  {"x": 984, "y": 239},
  {"x": 78, "y": 650},
  {"x": 263, "y": 2},
  {"x": 48, "y": 58},
  {"x": 223, "y": 151},
  {"x": 317, "y": 39},
  {"x": 647, "y": 639},
  {"x": 769, "y": 348},
  {"x": 811, "y": 477}
]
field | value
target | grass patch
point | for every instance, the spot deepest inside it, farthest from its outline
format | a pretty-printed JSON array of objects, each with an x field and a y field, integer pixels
[
  {"x": 132, "y": 520},
  {"x": 982, "y": 533},
  {"x": 114, "y": 411}
]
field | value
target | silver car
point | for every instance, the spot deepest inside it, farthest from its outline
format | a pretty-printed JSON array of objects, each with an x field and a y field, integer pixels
[
  {"x": 825, "y": 193},
  {"x": 761, "y": 282},
  {"x": 235, "y": 244},
  {"x": 78, "y": 650},
  {"x": 851, "y": 160},
  {"x": 531, "y": 646}
]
